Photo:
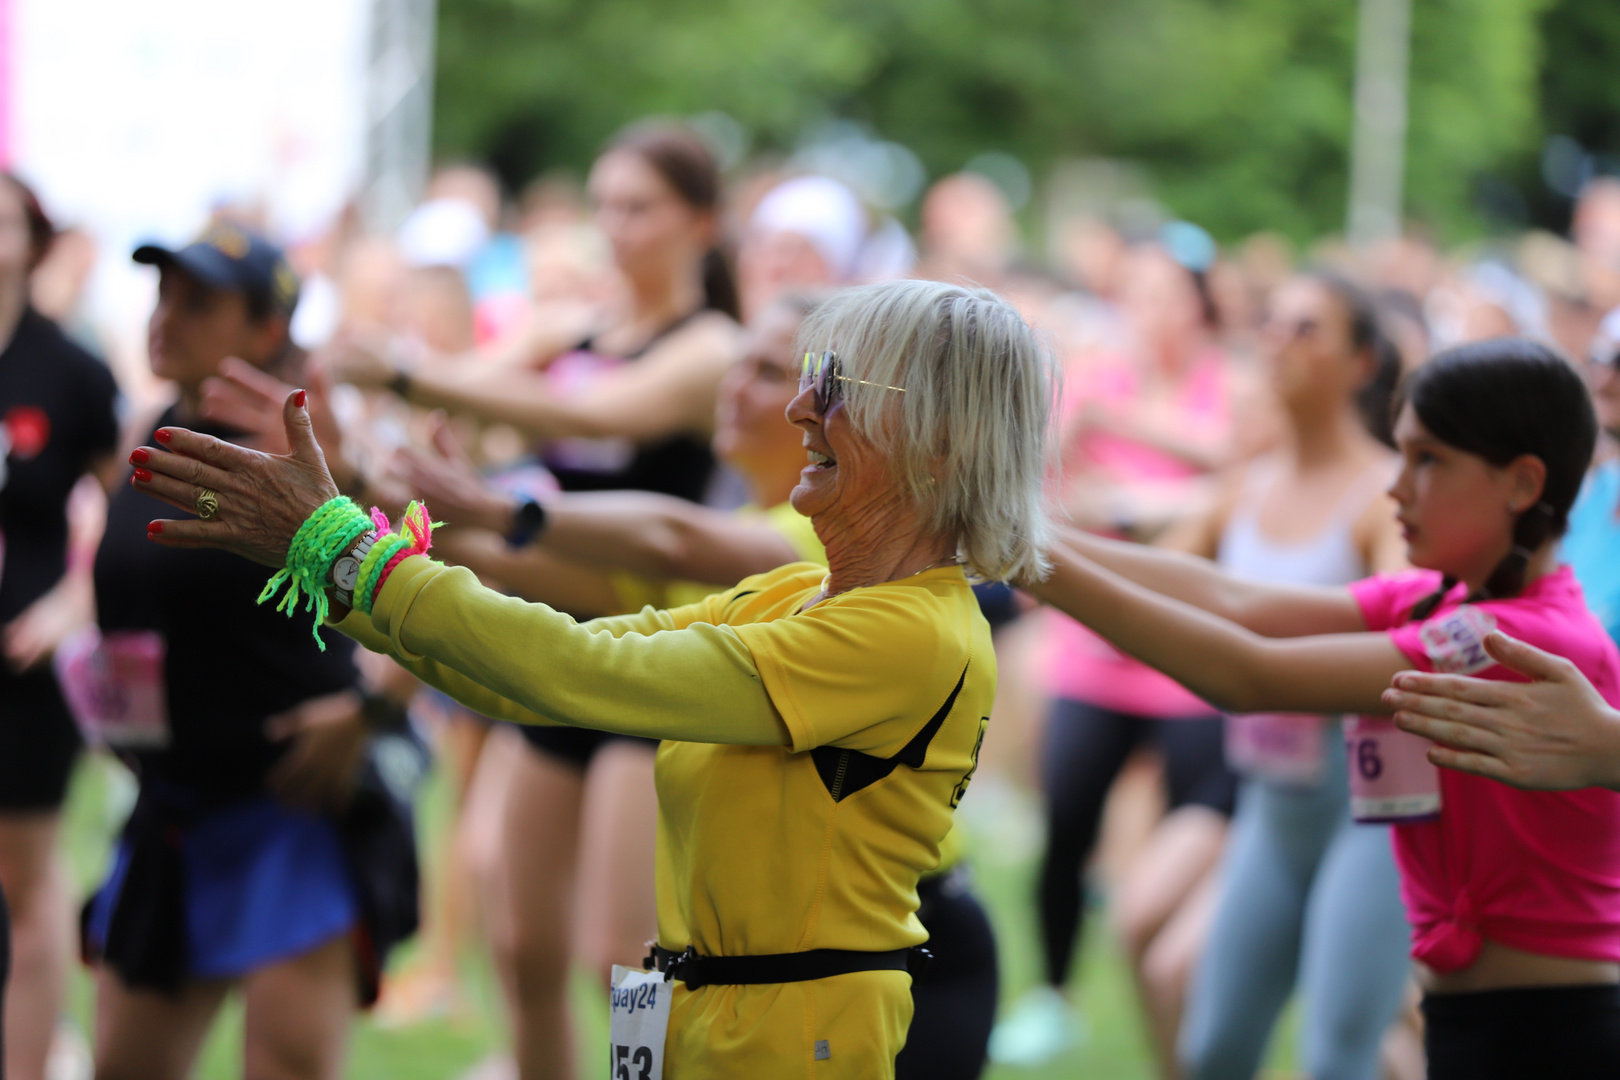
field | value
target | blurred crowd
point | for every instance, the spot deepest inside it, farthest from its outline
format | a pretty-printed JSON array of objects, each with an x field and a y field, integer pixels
[{"x": 502, "y": 352}]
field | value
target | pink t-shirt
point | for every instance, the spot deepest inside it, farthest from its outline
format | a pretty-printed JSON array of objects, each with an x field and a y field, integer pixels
[
  {"x": 1533, "y": 870},
  {"x": 1082, "y": 666}
]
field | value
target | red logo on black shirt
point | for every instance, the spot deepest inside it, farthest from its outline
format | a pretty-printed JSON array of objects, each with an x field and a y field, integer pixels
[{"x": 28, "y": 429}]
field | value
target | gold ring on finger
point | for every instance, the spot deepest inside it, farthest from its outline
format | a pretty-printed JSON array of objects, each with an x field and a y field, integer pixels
[{"x": 207, "y": 504}]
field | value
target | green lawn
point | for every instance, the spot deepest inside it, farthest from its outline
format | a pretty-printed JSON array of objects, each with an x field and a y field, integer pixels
[{"x": 442, "y": 1049}]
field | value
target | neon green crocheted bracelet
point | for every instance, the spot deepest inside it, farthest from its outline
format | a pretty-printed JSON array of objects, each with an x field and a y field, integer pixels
[{"x": 323, "y": 536}]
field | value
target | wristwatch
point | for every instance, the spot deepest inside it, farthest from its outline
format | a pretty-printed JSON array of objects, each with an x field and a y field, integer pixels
[
  {"x": 528, "y": 522},
  {"x": 346, "y": 571}
]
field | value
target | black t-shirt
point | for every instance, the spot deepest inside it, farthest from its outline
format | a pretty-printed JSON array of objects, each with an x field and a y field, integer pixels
[
  {"x": 58, "y": 413},
  {"x": 231, "y": 662}
]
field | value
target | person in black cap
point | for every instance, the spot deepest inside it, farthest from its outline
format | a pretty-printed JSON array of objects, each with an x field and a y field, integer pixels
[
  {"x": 270, "y": 848},
  {"x": 58, "y": 421}
]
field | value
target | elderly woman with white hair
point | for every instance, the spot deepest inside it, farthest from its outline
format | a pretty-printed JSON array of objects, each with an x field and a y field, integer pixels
[{"x": 819, "y": 725}]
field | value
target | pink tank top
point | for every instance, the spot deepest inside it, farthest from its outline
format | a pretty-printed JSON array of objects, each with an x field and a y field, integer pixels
[
  {"x": 1533, "y": 870},
  {"x": 1081, "y": 665}
]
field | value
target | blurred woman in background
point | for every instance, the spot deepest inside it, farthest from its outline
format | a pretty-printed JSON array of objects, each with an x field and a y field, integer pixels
[
  {"x": 629, "y": 407},
  {"x": 1305, "y": 892},
  {"x": 1144, "y": 432},
  {"x": 57, "y": 424},
  {"x": 266, "y": 852}
]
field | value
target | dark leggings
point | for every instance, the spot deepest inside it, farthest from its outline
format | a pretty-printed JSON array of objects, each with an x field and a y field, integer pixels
[
  {"x": 1083, "y": 751},
  {"x": 1567, "y": 1032},
  {"x": 5, "y": 971},
  {"x": 955, "y": 1000}
]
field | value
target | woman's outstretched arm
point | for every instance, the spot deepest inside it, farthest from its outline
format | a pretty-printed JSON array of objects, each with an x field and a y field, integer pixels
[
  {"x": 669, "y": 390},
  {"x": 697, "y": 684},
  {"x": 651, "y": 674},
  {"x": 1230, "y": 666},
  {"x": 641, "y": 532}
]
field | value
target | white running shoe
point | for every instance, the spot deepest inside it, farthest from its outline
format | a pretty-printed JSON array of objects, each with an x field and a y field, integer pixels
[{"x": 1038, "y": 1027}]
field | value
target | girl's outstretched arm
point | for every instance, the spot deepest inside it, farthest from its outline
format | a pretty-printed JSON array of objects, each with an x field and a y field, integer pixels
[
  {"x": 1274, "y": 610},
  {"x": 1230, "y": 666}
]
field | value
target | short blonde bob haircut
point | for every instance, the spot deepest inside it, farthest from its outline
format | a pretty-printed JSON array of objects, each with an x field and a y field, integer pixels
[{"x": 971, "y": 437}]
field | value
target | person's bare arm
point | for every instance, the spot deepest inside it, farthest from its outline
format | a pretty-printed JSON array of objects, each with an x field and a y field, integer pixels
[
  {"x": 662, "y": 536},
  {"x": 669, "y": 390},
  {"x": 1231, "y": 667},
  {"x": 1273, "y": 610},
  {"x": 1555, "y": 733},
  {"x": 640, "y": 532},
  {"x": 582, "y": 591}
]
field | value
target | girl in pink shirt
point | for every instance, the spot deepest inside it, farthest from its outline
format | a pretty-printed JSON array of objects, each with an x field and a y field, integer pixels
[{"x": 1513, "y": 897}]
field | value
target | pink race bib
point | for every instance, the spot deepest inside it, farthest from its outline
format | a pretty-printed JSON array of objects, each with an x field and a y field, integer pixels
[
  {"x": 1391, "y": 778},
  {"x": 1285, "y": 748},
  {"x": 114, "y": 686}
]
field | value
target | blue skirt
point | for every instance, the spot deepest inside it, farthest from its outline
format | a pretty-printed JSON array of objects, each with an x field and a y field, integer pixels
[{"x": 261, "y": 882}]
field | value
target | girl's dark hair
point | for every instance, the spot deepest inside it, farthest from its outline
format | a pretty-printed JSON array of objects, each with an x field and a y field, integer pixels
[
  {"x": 687, "y": 166},
  {"x": 1376, "y": 399},
  {"x": 1502, "y": 399},
  {"x": 40, "y": 229}
]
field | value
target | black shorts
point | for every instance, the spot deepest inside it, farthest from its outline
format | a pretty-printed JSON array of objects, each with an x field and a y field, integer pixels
[
  {"x": 38, "y": 741},
  {"x": 575, "y": 746},
  {"x": 1567, "y": 1032}
]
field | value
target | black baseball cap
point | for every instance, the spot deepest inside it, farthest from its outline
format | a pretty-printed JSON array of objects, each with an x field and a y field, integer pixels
[{"x": 227, "y": 256}]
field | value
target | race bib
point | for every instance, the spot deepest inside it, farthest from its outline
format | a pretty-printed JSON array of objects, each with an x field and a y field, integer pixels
[
  {"x": 639, "y": 1022},
  {"x": 1455, "y": 642},
  {"x": 114, "y": 686},
  {"x": 1391, "y": 777},
  {"x": 1285, "y": 748}
]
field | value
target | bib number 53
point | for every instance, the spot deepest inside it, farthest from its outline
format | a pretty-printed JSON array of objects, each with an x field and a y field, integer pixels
[
  {"x": 638, "y": 1023},
  {"x": 632, "y": 1062}
]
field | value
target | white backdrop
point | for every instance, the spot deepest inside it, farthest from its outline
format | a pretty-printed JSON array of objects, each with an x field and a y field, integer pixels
[{"x": 134, "y": 118}]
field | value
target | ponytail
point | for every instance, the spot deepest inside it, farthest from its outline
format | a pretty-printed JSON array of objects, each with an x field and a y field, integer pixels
[{"x": 720, "y": 284}]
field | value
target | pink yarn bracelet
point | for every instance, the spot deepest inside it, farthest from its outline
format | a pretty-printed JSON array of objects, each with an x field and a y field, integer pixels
[{"x": 416, "y": 527}]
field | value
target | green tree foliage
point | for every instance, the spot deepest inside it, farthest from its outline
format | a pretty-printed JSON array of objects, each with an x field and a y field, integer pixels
[{"x": 1239, "y": 109}]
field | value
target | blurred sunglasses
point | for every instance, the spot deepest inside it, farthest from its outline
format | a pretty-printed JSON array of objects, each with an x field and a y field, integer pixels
[
  {"x": 821, "y": 373},
  {"x": 1294, "y": 329},
  {"x": 1605, "y": 353}
]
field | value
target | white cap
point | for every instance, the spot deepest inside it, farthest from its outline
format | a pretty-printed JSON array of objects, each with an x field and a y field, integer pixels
[
  {"x": 823, "y": 211},
  {"x": 442, "y": 232}
]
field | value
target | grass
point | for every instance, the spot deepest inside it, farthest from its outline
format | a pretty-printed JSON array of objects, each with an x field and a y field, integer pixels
[{"x": 443, "y": 1049}]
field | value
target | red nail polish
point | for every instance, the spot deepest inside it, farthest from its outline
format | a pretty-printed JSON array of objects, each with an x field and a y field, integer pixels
[
  {"x": 139, "y": 457},
  {"x": 143, "y": 476},
  {"x": 164, "y": 435},
  {"x": 298, "y": 399},
  {"x": 153, "y": 528}
]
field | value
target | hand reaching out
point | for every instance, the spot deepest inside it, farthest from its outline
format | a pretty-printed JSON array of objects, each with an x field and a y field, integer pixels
[
  {"x": 263, "y": 498},
  {"x": 361, "y": 360},
  {"x": 446, "y": 479},
  {"x": 244, "y": 397},
  {"x": 328, "y": 741},
  {"x": 1554, "y": 733}
]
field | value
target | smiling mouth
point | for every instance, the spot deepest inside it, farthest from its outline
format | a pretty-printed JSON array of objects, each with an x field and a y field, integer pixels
[{"x": 819, "y": 460}]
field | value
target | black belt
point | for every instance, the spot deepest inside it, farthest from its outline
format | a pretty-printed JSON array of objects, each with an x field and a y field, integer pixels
[{"x": 696, "y": 971}]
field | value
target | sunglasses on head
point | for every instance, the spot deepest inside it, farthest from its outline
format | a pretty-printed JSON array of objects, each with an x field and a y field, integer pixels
[{"x": 821, "y": 373}]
